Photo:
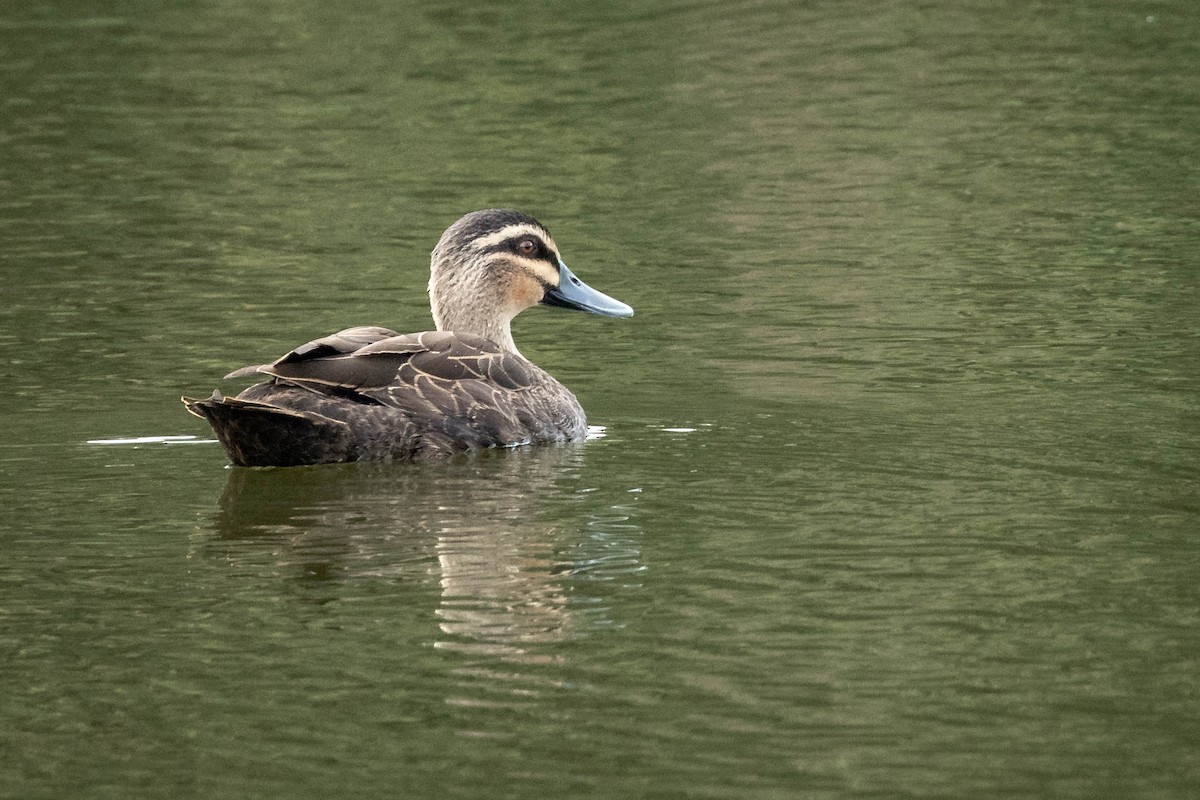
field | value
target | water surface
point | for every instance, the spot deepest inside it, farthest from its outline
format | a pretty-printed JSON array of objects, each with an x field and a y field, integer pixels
[{"x": 897, "y": 488}]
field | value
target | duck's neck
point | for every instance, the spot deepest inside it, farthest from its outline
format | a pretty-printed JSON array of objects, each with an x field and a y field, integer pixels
[{"x": 496, "y": 327}]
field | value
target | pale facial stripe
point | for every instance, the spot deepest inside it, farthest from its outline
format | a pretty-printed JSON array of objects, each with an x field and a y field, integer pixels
[{"x": 541, "y": 269}]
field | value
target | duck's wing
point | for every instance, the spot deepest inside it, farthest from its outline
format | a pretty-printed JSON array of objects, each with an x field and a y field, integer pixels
[
  {"x": 433, "y": 361},
  {"x": 438, "y": 376},
  {"x": 337, "y": 344},
  {"x": 460, "y": 385},
  {"x": 403, "y": 396}
]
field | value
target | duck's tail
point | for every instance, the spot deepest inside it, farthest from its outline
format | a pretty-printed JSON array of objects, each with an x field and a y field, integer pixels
[{"x": 257, "y": 434}]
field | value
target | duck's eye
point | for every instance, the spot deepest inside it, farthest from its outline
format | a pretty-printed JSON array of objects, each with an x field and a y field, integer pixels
[{"x": 527, "y": 247}]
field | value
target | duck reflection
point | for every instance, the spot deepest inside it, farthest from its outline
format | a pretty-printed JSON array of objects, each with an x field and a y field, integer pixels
[{"x": 503, "y": 535}]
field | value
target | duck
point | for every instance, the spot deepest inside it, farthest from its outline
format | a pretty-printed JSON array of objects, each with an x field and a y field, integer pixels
[{"x": 368, "y": 393}]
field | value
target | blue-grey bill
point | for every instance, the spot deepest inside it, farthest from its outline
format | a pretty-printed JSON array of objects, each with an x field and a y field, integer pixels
[{"x": 574, "y": 293}]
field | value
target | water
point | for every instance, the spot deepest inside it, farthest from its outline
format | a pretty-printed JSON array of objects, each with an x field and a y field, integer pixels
[{"x": 897, "y": 488}]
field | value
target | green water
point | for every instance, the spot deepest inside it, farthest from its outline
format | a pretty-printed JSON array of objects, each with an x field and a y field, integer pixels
[{"x": 896, "y": 493}]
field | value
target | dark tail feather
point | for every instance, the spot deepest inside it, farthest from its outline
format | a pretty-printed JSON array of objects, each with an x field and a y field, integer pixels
[{"x": 262, "y": 435}]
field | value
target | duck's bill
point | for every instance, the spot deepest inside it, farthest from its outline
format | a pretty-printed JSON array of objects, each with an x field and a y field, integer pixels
[{"x": 574, "y": 293}]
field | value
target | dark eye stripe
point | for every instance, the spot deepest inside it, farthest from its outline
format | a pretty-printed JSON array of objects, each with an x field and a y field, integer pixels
[{"x": 512, "y": 246}]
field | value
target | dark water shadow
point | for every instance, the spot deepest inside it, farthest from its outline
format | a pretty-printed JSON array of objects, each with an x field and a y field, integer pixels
[{"x": 492, "y": 539}]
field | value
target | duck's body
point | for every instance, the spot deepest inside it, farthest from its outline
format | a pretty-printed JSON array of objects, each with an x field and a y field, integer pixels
[{"x": 370, "y": 393}]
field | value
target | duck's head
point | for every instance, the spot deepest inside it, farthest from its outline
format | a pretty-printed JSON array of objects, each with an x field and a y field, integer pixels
[{"x": 491, "y": 265}]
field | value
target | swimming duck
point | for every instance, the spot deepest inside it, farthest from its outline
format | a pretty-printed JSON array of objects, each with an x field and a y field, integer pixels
[{"x": 369, "y": 393}]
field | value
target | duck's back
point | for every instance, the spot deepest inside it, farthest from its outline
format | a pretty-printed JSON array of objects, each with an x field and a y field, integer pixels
[{"x": 372, "y": 394}]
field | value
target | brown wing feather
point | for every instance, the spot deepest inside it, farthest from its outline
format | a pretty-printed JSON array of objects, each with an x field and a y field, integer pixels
[
  {"x": 428, "y": 392},
  {"x": 400, "y": 360},
  {"x": 340, "y": 343},
  {"x": 456, "y": 356}
]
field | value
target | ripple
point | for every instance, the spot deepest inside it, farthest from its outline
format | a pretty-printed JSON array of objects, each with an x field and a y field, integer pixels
[{"x": 135, "y": 440}]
